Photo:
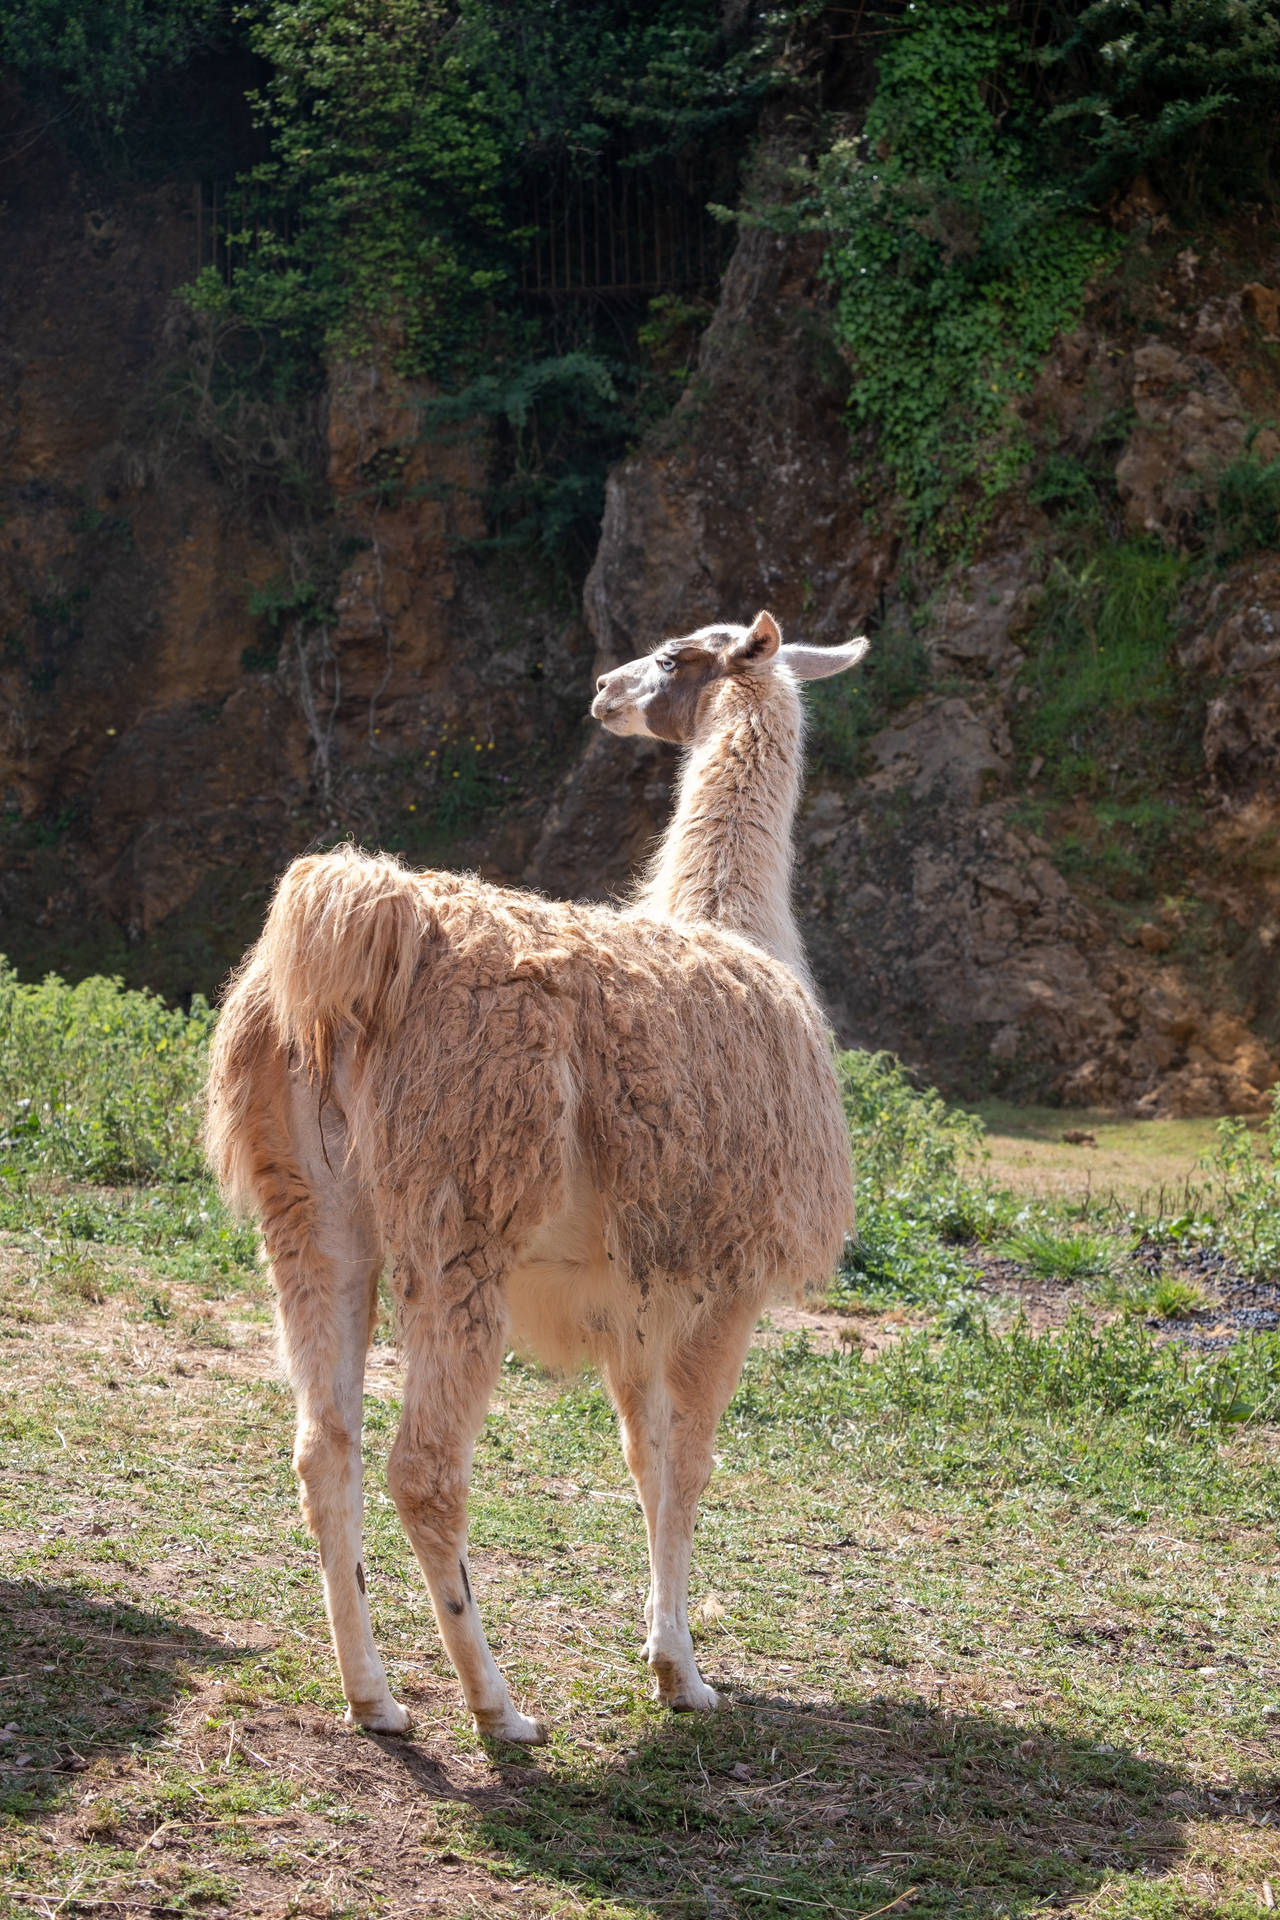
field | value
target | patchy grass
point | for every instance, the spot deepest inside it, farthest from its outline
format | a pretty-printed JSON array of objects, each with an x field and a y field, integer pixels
[
  {"x": 1068, "y": 1256},
  {"x": 994, "y": 1619}
]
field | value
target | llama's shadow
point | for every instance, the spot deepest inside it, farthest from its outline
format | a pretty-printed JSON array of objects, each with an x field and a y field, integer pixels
[
  {"x": 773, "y": 1807},
  {"x": 81, "y": 1676}
]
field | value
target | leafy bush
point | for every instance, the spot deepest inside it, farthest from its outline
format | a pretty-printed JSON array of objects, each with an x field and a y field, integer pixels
[
  {"x": 1186, "y": 89},
  {"x": 100, "y": 1083},
  {"x": 914, "y": 1201},
  {"x": 405, "y": 137},
  {"x": 101, "y": 54},
  {"x": 955, "y": 260},
  {"x": 1238, "y": 1208}
]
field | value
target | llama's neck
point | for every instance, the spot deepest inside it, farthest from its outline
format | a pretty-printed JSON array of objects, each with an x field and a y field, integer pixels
[{"x": 726, "y": 856}]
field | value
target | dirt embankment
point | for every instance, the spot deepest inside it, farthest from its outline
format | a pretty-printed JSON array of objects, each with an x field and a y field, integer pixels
[{"x": 197, "y": 680}]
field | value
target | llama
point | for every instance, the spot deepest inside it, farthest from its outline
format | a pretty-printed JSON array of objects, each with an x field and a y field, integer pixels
[{"x": 603, "y": 1135}]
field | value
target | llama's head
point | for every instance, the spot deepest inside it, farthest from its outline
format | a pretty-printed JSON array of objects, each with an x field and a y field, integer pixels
[{"x": 665, "y": 693}]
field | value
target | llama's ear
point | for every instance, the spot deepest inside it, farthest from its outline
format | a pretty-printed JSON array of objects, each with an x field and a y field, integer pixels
[
  {"x": 759, "y": 644},
  {"x": 819, "y": 663}
]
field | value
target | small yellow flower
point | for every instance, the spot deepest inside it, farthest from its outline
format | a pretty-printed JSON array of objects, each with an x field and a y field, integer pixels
[{"x": 413, "y": 806}]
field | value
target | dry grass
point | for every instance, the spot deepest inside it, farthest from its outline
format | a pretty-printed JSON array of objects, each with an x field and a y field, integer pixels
[{"x": 1133, "y": 1160}]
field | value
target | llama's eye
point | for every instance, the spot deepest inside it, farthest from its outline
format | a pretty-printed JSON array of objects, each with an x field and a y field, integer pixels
[{"x": 668, "y": 666}]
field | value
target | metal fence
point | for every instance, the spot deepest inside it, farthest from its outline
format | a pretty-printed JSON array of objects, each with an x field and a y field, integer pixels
[{"x": 607, "y": 231}]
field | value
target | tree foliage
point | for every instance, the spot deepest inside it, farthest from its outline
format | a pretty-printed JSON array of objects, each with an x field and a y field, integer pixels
[
  {"x": 100, "y": 54},
  {"x": 1188, "y": 89}
]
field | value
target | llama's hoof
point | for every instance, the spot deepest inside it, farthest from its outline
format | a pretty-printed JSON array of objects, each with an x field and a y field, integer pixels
[
  {"x": 519, "y": 1728},
  {"x": 386, "y": 1717},
  {"x": 683, "y": 1693},
  {"x": 694, "y": 1697}
]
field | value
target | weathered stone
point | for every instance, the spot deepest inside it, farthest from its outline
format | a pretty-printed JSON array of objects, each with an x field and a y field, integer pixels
[
  {"x": 946, "y": 748},
  {"x": 976, "y": 622},
  {"x": 1191, "y": 424}
]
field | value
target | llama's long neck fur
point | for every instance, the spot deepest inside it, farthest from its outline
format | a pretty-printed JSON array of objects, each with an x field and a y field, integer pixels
[{"x": 726, "y": 856}]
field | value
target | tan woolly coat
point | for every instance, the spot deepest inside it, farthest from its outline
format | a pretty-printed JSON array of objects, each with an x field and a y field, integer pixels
[{"x": 538, "y": 1100}]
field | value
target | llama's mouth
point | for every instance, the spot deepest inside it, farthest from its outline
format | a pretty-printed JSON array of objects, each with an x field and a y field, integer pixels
[{"x": 611, "y": 714}]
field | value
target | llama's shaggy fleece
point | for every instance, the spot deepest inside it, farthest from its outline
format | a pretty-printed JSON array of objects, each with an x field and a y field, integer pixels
[{"x": 603, "y": 1134}]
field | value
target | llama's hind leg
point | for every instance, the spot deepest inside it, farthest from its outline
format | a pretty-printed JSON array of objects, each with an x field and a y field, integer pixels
[
  {"x": 325, "y": 1261},
  {"x": 668, "y": 1418},
  {"x": 451, "y": 1360}
]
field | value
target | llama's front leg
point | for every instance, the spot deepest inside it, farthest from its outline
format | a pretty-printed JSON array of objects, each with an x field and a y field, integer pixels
[
  {"x": 451, "y": 1361},
  {"x": 668, "y": 1429}
]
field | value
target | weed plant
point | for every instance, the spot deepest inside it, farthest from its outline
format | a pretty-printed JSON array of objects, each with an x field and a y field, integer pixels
[
  {"x": 918, "y": 1197},
  {"x": 1237, "y": 1209},
  {"x": 100, "y": 1103}
]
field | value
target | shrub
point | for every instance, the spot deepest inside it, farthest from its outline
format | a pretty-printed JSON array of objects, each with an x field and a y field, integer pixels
[
  {"x": 98, "y": 1082},
  {"x": 1185, "y": 89},
  {"x": 911, "y": 1153}
]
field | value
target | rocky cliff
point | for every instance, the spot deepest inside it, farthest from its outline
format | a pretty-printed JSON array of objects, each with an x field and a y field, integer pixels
[
  {"x": 181, "y": 708},
  {"x": 941, "y": 924},
  {"x": 199, "y": 676}
]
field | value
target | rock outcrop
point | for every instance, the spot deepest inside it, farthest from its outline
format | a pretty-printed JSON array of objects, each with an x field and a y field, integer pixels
[{"x": 180, "y": 711}]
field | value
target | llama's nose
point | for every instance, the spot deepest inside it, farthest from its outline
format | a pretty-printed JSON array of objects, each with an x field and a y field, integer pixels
[{"x": 600, "y": 682}]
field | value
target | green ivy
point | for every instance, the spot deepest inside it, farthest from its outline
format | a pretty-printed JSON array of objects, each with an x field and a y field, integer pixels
[{"x": 955, "y": 262}]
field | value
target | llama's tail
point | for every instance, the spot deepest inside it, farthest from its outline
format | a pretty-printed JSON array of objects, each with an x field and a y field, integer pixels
[{"x": 342, "y": 943}]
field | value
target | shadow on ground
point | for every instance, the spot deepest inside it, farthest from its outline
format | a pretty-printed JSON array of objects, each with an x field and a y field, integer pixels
[
  {"x": 83, "y": 1676},
  {"x": 773, "y": 1808}
]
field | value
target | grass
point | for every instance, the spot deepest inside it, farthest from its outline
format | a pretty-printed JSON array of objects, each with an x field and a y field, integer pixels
[
  {"x": 1057, "y": 1255},
  {"x": 1166, "y": 1297},
  {"x": 994, "y": 1615},
  {"x": 1245, "y": 517},
  {"x": 1108, "y": 706}
]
